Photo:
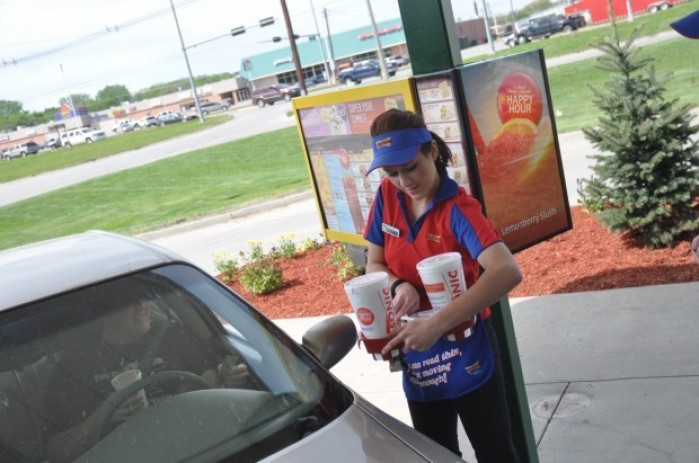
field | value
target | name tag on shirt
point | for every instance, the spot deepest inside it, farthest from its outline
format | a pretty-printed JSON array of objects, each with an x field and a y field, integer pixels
[{"x": 393, "y": 231}]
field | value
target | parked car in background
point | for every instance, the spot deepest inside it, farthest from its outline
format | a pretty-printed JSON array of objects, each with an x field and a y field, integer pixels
[
  {"x": 542, "y": 27},
  {"x": 398, "y": 60},
  {"x": 51, "y": 144},
  {"x": 81, "y": 135},
  {"x": 213, "y": 106},
  {"x": 125, "y": 126},
  {"x": 270, "y": 95},
  {"x": 207, "y": 106},
  {"x": 315, "y": 80},
  {"x": 578, "y": 20},
  {"x": 363, "y": 70},
  {"x": 221, "y": 381},
  {"x": 21, "y": 150},
  {"x": 169, "y": 117},
  {"x": 148, "y": 121}
]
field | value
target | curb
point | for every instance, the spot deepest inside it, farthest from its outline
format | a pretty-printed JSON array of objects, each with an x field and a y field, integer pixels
[{"x": 244, "y": 211}]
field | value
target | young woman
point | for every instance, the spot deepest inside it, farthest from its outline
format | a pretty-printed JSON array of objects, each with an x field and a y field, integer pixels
[{"x": 419, "y": 212}]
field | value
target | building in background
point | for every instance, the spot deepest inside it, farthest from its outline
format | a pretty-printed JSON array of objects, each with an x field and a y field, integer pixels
[
  {"x": 277, "y": 66},
  {"x": 274, "y": 67}
]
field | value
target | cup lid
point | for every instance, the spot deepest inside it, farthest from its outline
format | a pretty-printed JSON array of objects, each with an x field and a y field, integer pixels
[
  {"x": 439, "y": 259},
  {"x": 368, "y": 279}
]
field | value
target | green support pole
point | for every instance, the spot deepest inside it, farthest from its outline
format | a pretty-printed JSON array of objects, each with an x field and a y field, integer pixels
[
  {"x": 430, "y": 34},
  {"x": 432, "y": 45},
  {"x": 517, "y": 403}
]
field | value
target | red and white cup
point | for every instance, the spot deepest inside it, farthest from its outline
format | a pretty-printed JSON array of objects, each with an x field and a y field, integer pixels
[
  {"x": 370, "y": 297},
  {"x": 443, "y": 278}
]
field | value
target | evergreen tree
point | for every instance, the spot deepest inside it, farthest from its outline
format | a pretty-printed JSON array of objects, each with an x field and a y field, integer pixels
[{"x": 646, "y": 180}]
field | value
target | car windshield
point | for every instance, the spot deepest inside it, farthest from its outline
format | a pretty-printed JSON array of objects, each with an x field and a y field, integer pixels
[{"x": 217, "y": 379}]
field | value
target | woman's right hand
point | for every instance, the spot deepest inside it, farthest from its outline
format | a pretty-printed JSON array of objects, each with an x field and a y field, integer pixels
[{"x": 406, "y": 300}]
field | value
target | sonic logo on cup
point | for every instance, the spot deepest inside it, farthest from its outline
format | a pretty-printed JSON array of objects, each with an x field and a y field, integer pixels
[
  {"x": 454, "y": 283},
  {"x": 365, "y": 316},
  {"x": 390, "y": 316}
]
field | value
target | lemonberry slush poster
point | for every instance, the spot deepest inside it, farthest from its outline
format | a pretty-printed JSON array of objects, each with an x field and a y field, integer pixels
[{"x": 509, "y": 114}]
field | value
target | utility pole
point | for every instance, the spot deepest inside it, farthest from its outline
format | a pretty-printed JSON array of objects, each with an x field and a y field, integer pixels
[
  {"x": 189, "y": 69},
  {"x": 320, "y": 43},
  {"x": 495, "y": 18},
  {"x": 487, "y": 27},
  {"x": 73, "y": 109},
  {"x": 330, "y": 44},
  {"x": 294, "y": 51},
  {"x": 629, "y": 11},
  {"x": 379, "y": 49}
]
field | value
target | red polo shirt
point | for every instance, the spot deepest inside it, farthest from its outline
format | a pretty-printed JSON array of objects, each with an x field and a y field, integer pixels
[{"x": 452, "y": 222}]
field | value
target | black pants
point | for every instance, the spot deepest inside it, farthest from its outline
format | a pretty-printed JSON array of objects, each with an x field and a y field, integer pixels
[{"x": 483, "y": 414}]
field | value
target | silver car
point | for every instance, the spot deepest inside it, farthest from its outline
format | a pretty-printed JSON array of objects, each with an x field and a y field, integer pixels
[{"x": 114, "y": 349}]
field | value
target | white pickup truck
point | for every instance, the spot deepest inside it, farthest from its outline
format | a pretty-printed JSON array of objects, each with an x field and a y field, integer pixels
[{"x": 81, "y": 135}]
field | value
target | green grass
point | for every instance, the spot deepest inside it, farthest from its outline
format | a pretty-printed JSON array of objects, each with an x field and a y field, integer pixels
[
  {"x": 166, "y": 192},
  {"x": 675, "y": 65},
  {"x": 586, "y": 37},
  {"x": 66, "y": 157},
  {"x": 217, "y": 179}
]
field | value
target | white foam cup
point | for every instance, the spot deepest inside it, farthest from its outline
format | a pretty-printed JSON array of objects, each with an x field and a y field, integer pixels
[
  {"x": 443, "y": 278},
  {"x": 126, "y": 378},
  {"x": 370, "y": 297}
]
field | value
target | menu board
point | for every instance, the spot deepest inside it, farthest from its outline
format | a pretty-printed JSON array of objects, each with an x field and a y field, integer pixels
[
  {"x": 335, "y": 128},
  {"x": 440, "y": 109},
  {"x": 520, "y": 174}
]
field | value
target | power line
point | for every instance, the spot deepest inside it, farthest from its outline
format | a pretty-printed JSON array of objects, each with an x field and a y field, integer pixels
[{"x": 88, "y": 38}]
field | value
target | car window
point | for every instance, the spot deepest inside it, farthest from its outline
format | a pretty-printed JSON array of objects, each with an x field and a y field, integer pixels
[{"x": 199, "y": 348}]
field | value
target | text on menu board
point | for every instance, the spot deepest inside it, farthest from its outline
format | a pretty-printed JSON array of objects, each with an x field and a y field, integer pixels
[{"x": 339, "y": 145}]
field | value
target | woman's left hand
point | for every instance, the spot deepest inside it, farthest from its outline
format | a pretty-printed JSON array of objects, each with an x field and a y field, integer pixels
[
  {"x": 406, "y": 300},
  {"x": 417, "y": 335}
]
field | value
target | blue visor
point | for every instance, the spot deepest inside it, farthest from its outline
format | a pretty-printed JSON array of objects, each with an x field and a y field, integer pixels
[
  {"x": 397, "y": 147},
  {"x": 688, "y": 26}
]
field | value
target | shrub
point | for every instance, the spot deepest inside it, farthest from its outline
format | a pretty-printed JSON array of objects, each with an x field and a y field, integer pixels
[
  {"x": 256, "y": 251},
  {"x": 312, "y": 244},
  {"x": 286, "y": 247},
  {"x": 226, "y": 265},
  {"x": 647, "y": 180},
  {"x": 261, "y": 276},
  {"x": 346, "y": 269}
]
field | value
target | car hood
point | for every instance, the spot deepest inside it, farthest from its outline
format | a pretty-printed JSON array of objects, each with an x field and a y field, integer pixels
[{"x": 365, "y": 434}]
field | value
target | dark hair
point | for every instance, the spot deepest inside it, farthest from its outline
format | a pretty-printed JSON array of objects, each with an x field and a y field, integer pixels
[{"x": 396, "y": 119}]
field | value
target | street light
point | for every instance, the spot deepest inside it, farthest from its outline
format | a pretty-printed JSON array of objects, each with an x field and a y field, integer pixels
[
  {"x": 235, "y": 31},
  {"x": 189, "y": 68}
]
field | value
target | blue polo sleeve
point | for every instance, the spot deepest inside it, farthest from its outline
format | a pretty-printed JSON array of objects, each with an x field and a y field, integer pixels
[
  {"x": 372, "y": 230},
  {"x": 471, "y": 228}
]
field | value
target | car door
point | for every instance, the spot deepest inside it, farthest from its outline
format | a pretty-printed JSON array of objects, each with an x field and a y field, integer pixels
[
  {"x": 537, "y": 27},
  {"x": 363, "y": 70}
]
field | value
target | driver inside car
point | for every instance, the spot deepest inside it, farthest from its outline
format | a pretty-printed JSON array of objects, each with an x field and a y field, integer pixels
[{"x": 125, "y": 339}]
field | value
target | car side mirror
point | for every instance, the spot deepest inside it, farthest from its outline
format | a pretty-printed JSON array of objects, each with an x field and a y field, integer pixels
[{"x": 331, "y": 339}]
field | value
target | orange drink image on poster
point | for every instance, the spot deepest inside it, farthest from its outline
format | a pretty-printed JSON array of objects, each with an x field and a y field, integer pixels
[{"x": 518, "y": 166}]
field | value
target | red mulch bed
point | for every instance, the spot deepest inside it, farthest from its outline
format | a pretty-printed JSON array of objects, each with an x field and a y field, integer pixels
[{"x": 587, "y": 258}]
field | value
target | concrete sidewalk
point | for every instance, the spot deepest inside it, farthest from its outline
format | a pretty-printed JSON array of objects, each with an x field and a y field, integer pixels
[{"x": 611, "y": 376}]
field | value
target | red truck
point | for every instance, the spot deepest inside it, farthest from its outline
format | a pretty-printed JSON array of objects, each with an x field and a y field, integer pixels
[{"x": 595, "y": 11}]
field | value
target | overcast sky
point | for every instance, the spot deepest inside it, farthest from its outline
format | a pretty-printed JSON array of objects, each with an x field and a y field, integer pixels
[{"x": 49, "y": 48}]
